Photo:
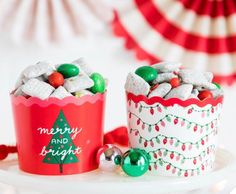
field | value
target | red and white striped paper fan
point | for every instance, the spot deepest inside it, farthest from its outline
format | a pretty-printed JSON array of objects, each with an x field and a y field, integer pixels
[{"x": 200, "y": 33}]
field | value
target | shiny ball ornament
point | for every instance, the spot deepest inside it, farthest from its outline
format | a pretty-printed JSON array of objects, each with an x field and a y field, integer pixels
[
  {"x": 135, "y": 162},
  {"x": 108, "y": 157}
]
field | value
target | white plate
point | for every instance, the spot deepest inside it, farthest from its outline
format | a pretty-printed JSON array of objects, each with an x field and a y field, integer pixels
[{"x": 106, "y": 183}]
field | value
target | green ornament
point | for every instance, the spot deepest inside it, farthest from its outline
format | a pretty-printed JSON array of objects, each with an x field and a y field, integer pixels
[
  {"x": 99, "y": 83},
  {"x": 217, "y": 85},
  {"x": 68, "y": 70},
  {"x": 135, "y": 162},
  {"x": 147, "y": 73}
]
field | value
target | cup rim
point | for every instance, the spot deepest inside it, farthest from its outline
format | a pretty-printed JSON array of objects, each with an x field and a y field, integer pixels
[
  {"x": 16, "y": 100},
  {"x": 172, "y": 101}
]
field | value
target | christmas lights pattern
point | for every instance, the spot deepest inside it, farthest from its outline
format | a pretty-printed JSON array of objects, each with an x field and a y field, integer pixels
[
  {"x": 176, "y": 120},
  {"x": 162, "y": 139},
  {"x": 174, "y": 155},
  {"x": 180, "y": 171},
  {"x": 181, "y": 140},
  {"x": 204, "y": 112}
]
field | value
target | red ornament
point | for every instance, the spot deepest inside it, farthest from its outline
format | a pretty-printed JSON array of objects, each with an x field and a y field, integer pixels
[
  {"x": 205, "y": 94},
  {"x": 194, "y": 161},
  {"x": 173, "y": 170},
  {"x": 149, "y": 168},
  {"x": 130, "y": 115},
  {"x": 183, "y": 147},
  {"x": 157, "y": 128},
  {"x": 145, "y": 144},
  {"x": 159, "y": 109},
  {"x": 176, "y": 121},
  {"x": 168, "y": 167},
  {"x": 143, "y": 126},
  {"x": 212, "y": 110},
  {"x": 164, "y": 140},
  {"x": 138, "y": 121},
  {"x": 160, "y": 153},
  {"x": 56, "y": 79},
  {"x": 155, "y": 155},
  {"x": 177, "y": 158},
  {"x": 175, "y": 82},
  {"x": 202, "y": 142},
  {"x": 155, "y": 166},
  {"x": 195, "y": 128},
  {"x": 136, "y": 133},
  {"x": 190, "y": 111},
  {"x": 186, "y": 174},
  {"x": 189, "y": 147},
  {"x": 171, "y": 141},
  {"x": 182, "y": 123},
  {"x": 163, "y": 124},
  {"x": 152, "y": 144},
  {"x": 151, "y": 111},
  {"x": 203, "y": 168},
  {"x": 172, "y": 155},
  {"x": 129, "y": 102},
  {"x": 212, "y": 125}
]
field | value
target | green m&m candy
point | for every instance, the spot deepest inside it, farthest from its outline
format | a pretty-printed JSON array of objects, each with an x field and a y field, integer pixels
[
  {"x": 99, "y": 83},
  {"x": 68, "y": 70},
  {"x": 217, "y": 85},
  {"x": 147, "y": 73}
]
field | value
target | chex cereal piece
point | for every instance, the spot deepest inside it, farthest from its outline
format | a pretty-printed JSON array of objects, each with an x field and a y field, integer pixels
[
  {"x": 78, "y": 83},
  {"x": 136, "y": 85},
  {"x": 168, "y": 66},
  {"x": 60, "y": 93},
  {"x": 182, "y": 92},
  {"x": 83, "y": 93},
  {"x": 83, "y": 66},
  {"x": 216, "y": 93},
  {"x": 37, "y": 88},
  {"x": 37, "y": 70},
  {"x": 209, "y": 76},
  {"x": 161, "y": 90},
  {"x": 194, "y": 94},
  {"x": 164, "y": 77},
  {"x": 19, "y": 92},
  {"x": 195, "y": 78},
  {"x": 40, "y": 78}
]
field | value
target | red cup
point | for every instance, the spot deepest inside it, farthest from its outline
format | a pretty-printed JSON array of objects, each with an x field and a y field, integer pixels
[{"x": 58, "y": 137}]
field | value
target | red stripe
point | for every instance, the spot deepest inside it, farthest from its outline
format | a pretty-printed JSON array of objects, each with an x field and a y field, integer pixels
[
  {"x": 211, "y": 8},
  {"x": 120, "y": 31},
  {"x": 178, "y": 36},
  {"x": 130, "y": 43},
  {"x": 227, "y": 80}
]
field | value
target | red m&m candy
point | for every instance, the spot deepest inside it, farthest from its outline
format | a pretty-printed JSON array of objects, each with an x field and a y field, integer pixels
[
  {"x": 56, "y": 79},
  {"x": 175, "y": 82},
  {"x": 205, "y": 94}
]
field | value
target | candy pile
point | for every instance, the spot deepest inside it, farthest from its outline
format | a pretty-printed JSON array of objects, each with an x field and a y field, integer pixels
[
  {"x": 168, "y": 80},
  {"x": 44, "y": 80}
]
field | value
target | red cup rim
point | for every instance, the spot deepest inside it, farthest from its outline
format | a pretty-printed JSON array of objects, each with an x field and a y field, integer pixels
[
  {"x": 172, "y": 101},
  {"x": 61, "y": 102}
]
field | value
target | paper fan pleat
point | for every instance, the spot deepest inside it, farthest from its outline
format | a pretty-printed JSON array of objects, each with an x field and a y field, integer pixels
[
  {"x": 50, "y": 20},
  {"x": 165, "y": 30},
  {"x": 212, "y": 8}
]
